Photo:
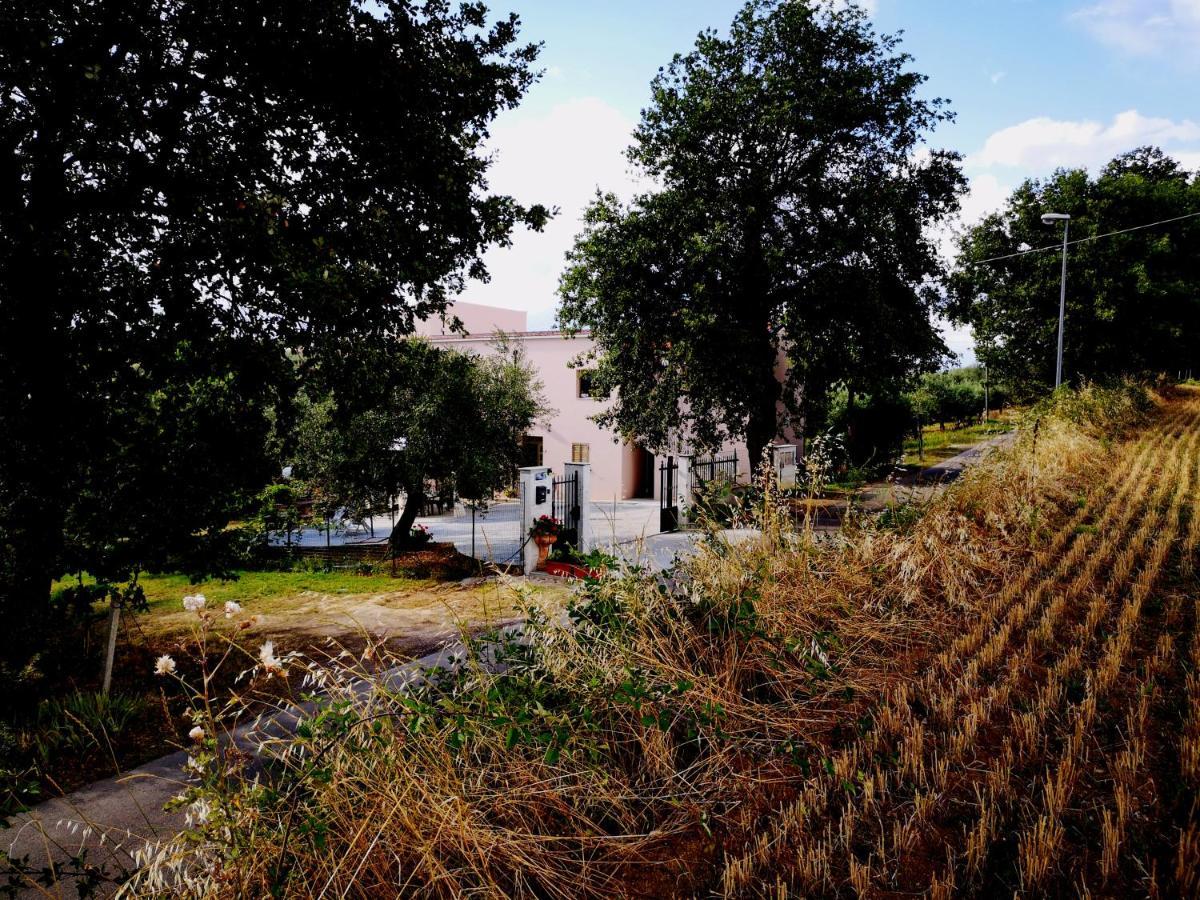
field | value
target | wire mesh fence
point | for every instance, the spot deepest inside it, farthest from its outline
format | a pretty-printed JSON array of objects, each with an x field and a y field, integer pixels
[{"x": 492, "y": 533}]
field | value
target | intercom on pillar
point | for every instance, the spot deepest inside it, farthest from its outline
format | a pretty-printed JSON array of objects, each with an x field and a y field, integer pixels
[{"x": 536, "y": 500}]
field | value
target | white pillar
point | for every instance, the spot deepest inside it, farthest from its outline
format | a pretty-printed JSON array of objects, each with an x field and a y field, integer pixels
[
  {"x": 537, "y": 499},
  {"x": 583, "y": 472},
  {"x": 683, "y": 487}
]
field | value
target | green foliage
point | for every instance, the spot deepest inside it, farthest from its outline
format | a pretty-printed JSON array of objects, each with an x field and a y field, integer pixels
[
  {"x": 873, "y": 426},
  {"x": 790, "y": 226},
  {"x": 83, "y": 721},
  {"x": 395, "y": 418},
  {"x": 192, "y": 192},
  {"x": 1102, "y": 410},
  {"x": 1133, "y": 299},
  {"x": 593, "y": 559},
  {"x": 956, "y": 396}
]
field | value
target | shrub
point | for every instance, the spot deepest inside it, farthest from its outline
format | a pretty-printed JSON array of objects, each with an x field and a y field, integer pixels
[{"x": 83, "y": 720}]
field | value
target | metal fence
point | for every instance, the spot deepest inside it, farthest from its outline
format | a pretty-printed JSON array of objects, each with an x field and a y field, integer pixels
[
  {"x": 493, "y": 533},
  {"x": 714, "y": 468}
]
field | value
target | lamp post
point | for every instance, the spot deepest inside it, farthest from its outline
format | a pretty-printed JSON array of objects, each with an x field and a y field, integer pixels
[
  {"x": 1050, "y": 219},
  {"x": 985, "y": 395}
]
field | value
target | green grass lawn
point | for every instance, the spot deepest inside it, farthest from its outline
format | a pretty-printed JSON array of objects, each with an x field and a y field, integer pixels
[
  {"x": 941, "y": 445},
  {"x": 323, "y": 603},
  {"x": 263, "y": 590}
]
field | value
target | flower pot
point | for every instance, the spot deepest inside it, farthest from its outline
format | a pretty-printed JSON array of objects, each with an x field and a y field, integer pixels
[
  {"x": 544, "y": 543},
  {"x": 573, "y": 570}
]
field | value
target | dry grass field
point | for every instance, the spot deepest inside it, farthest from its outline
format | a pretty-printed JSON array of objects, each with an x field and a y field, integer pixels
[{"x": 997, "y": 697}]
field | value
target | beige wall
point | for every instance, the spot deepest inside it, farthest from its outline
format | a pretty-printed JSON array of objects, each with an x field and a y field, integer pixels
[
  {"x": 479, "y": 320},
  {"x": 615, "y": 465},
  {"x": 568, "y": 422}
]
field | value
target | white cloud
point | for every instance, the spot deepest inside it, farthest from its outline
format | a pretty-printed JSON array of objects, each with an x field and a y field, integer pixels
[
  {"x": 1039, "y": 145},
  {"x": 870, "y": 7},
  {"x": 997, "y": 77},
  {"x": 1189, "y": 160},
  {"x": 558, "y": 158},
  {"x": 1145, "y": 27},
  {"x": 987, "y": 194}
]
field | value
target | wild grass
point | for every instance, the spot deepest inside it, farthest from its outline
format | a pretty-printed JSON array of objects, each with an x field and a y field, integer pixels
[{"x": 812, "y": 708}]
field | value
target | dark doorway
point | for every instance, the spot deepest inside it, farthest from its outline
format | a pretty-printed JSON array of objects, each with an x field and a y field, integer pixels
[
  {"x": 643, "y": 467},
  {"x": 531, "y": 450}
]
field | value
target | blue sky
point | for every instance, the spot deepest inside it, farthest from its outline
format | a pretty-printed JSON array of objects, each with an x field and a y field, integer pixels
[{"x": 1035, "y": 85}]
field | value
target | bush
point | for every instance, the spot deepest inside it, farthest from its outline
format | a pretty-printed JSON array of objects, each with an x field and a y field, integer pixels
[
  {"x": 83, "y": 720},
  {"x": 1101, "y": 410},
  {"x": 873, "y": 428}
]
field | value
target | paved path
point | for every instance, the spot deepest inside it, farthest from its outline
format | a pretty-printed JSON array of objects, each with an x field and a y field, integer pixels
[{"x": 495, "y": 534}]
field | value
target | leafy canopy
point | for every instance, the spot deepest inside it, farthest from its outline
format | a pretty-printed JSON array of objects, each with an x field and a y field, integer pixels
[
  {"x": 419, "y": 413},
  {"x": 1133, "y": 299},
  {"x": 188, "y": 190},
  {"x": 786, "y": 233}
]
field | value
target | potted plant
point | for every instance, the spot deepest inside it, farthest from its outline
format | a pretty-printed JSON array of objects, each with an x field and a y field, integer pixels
[
  {"x": 544, "y": 532},
  {"x": 567, "y": 562}
]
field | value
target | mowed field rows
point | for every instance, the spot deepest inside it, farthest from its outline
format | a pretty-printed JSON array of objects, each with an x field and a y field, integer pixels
[{"x": 1053, "y": 747}]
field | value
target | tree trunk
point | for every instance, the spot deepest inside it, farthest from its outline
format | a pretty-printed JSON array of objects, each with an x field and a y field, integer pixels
[
  {"x": 34, "y": 399},
  {"x": 401, "y": 535}
]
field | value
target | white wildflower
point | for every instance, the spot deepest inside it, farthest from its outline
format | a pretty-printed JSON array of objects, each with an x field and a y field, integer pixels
[
  {"x": 164, "y": 665},
  {"x": 198, "y": 812},
  {"x": 194, "y": 602},
  {"x": 267, "y": 657},
  {"x": 196, "y": 734},
  {"x": 232, "y": 609}
]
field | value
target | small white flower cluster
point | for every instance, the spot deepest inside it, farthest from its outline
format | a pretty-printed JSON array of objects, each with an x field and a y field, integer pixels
[
  {"x": 269, "y": 660},
  {"x": 232, "y": 608},
  {"x": 196, "y": 734},
  {"x": 194, "y": 602},
  {"x": 164, "y": 665},
  {"x": 198, "y": 813}
]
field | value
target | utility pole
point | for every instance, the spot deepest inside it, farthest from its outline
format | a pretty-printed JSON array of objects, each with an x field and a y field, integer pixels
[
  {"x": 1050, "y": 219},
  {"x": 985, "y": 394}
]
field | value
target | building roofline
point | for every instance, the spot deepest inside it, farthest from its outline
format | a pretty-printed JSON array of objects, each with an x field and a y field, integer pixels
[{"x": 487, "y": 335}]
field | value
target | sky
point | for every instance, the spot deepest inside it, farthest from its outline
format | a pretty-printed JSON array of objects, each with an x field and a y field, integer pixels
[{"x": 1035, "y": 85}]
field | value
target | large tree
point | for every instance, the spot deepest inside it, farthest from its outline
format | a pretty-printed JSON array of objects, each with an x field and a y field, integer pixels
[
  {"x": 1133, "y": 299},
  {"x": 189, "y": 189},
  {"x": 414, "y": 412},
  {"x": 788, "y": 226}
]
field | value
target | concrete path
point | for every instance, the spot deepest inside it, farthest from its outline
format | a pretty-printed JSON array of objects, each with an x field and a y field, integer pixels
[{"x": 495, "y": 534}]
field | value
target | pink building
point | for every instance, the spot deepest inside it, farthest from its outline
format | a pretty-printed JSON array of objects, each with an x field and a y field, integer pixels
[{"x": 620, "y": 471}]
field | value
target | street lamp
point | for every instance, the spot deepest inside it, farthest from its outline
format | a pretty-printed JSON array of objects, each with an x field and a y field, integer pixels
[{"x": 1050, "y": 219}]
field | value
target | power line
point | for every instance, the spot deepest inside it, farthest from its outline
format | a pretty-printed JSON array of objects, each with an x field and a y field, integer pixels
[{"x": 1083, "y": 240}]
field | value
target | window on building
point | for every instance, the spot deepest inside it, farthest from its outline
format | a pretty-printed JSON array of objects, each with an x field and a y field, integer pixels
[
  {"x": 583, "y": 381},
  {"x": 581, "y": 453}
]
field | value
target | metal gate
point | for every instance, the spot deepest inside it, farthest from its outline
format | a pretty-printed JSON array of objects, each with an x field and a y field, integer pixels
[
  {"x": 668, "y": 496},
  {"x": 565, "y": 508},
  {"x": 715, "y": 468}
]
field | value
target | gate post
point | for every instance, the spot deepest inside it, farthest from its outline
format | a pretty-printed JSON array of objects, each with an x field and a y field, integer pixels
[
  {"x": 583, "y": 496},
  {"x": 537, "y": 498},
  {"x": 683, "y": 487}
]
